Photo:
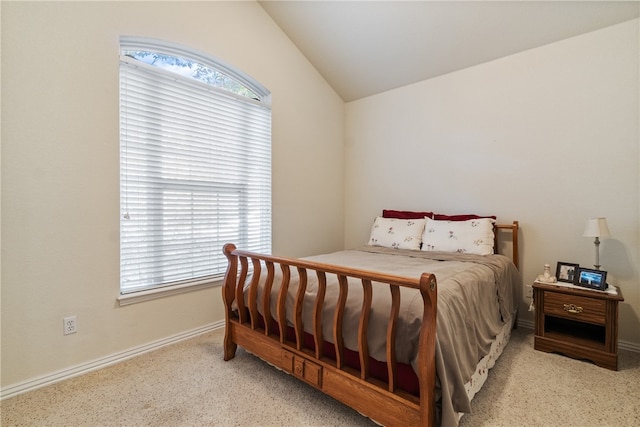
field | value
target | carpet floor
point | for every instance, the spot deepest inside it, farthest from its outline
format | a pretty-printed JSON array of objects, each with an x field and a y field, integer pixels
[{"x": 188, "y": 384}]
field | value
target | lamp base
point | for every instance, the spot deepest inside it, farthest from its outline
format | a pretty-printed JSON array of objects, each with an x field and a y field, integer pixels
[{"x": 596, "y": 242}]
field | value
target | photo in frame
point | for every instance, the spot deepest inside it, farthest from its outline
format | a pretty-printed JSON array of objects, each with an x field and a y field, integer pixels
[
  {"x": 567, "y": 272},
  {"x": 589, "y": 278}
]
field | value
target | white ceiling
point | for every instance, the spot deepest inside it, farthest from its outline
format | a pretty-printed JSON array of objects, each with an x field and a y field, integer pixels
[{"x": 366, "y": 47}]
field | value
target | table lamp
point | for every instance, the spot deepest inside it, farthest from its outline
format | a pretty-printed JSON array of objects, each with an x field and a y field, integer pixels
[{"x": 596, "y": 227}]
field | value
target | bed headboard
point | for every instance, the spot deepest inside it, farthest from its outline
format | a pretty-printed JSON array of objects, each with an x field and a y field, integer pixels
[{"x": 513, "y": 228}]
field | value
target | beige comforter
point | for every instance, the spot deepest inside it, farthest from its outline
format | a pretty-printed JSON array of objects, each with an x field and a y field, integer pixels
[{"x": 475, "y": 298}]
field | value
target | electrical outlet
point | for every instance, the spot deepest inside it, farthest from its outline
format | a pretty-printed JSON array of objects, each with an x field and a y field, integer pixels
[
  {"x": 528, "y": 291},
  {"x": 69, "y": 324}
]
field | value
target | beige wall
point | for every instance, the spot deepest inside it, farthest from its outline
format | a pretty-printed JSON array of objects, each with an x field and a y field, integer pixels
[
  {"x": 548, "y": 137},
  {"x": 60, "y": 202}
]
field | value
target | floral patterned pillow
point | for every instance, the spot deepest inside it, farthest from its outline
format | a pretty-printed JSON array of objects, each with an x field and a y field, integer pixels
[
  {"x": 474, "y": 236},
  {"x": 397, "y": 233}
]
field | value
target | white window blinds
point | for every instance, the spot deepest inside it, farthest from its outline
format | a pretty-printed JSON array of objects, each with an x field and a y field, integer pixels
[{"x": 195, "y": 173}]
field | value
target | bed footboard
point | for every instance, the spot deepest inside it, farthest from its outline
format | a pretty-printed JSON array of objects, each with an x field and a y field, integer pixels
[{"x": 272, "y": 340}]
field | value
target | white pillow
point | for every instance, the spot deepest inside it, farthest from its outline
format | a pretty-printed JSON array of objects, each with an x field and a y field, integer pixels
[
  {"x": 397, "y": 233},
  {"x": 474, "y": 236}
]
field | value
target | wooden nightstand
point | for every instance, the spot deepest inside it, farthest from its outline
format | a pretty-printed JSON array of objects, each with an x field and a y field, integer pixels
[{"x": 577, "y": 322}]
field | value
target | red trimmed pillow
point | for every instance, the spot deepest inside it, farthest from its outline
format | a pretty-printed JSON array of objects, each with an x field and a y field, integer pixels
[
  {"x": 462, "y": 217},
  {"x": 386, "y": 213}
]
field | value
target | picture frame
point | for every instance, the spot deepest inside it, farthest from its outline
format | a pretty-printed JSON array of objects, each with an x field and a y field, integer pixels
[
  {"x": 590, "y": 278},
  {"x": 567, "y": 272}
]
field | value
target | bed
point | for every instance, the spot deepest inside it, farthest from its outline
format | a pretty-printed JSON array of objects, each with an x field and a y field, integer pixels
[{"x": 403, "y": 329}]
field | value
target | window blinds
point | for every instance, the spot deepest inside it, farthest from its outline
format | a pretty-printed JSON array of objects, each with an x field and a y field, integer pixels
[{"x": 195, "y": 173}]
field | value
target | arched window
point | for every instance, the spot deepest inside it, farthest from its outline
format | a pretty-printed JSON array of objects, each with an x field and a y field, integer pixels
[{"x": 195, "y": 165}]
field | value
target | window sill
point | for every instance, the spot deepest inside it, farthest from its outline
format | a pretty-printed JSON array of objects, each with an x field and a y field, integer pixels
[{"x": 165, "y": 291}]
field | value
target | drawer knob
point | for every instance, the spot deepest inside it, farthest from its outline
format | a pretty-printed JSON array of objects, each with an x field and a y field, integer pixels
[{"x": 572, "y": 308}]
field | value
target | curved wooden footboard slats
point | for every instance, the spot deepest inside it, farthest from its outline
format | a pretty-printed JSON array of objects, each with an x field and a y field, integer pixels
[
  {"x": 318, "y": 339},
  {"x": 363, "y": 327},
  {"x": 266, "y": 299},
  {"x": 298, "y": 327},
  {"x": 392, "y": 327},
  {"x": 282, "y": 301},
  {"x": 245, "y": 326},
  {"x": 338, "y": 317},
  {"x": 253, "y": 295}
]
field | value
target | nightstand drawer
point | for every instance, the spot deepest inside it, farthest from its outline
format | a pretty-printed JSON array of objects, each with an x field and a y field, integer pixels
[{"x": 584, "y": 309}]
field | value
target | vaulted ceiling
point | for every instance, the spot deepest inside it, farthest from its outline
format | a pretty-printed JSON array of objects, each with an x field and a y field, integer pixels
[{"x": 366, "y": 47}]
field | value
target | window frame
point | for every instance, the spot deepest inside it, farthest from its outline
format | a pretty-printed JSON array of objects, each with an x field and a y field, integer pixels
[
  {"x": 128, "y": 43},
  {"x": 174, "y": 49}
]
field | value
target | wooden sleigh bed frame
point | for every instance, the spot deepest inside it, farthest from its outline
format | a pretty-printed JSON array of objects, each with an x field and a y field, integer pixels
[{"x": 286, "y": 348}]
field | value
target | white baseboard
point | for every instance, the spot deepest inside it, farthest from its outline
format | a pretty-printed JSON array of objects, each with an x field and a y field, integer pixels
[
  {"x": 103, "y": 362},
  {"x": 526, "y": 324},
  {"x": 631, "y": 346}
]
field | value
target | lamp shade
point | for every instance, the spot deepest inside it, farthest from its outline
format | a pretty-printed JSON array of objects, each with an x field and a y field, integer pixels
[{"x": 596, "y": 227}]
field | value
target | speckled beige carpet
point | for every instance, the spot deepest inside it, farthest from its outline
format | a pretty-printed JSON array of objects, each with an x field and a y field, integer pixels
[{"x": 188, "y": 384}]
